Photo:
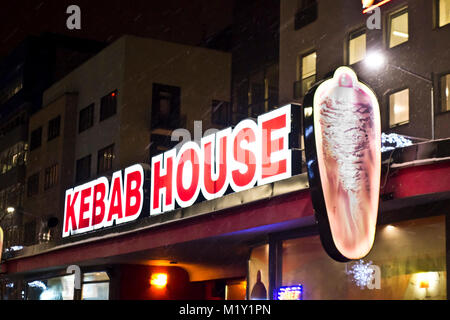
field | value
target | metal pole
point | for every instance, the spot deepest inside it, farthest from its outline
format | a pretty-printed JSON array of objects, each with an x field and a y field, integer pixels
[{"x": 432, "y": 112}]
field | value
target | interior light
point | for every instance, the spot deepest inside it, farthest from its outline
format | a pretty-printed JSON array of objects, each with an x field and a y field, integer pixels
[
  {"x": 400, "y": 34},
  {"x": 390, "y": 227},
  {"x": 158, "y": 280},
  {"x": 10, "y": 209}
]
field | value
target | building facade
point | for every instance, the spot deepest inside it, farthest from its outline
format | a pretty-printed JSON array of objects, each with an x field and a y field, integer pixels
[{"x": 262, "y": 242}]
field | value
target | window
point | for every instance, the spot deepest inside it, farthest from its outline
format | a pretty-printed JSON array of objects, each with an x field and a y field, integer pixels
[
  {"x": 86, "y": 118},
  {"x": 95, "y": 286},
  {"x": 444, "y": 12},
  {"x": 399, "y": 108},
  {"x": 50, "y": 176},
  {"x": 108, "y": 105},
  {"x": 398, "y": 28},
  {"x": 36, "y": 138},
  {"x": 221, "y": 113},
  {"x": 307, "y": 65},
  {"x": 53, "y": 128},
  {"x": 165, "y": 106},
  {"x": 83, "y": 169},
  {"x": 258, "y": 273},
  {"x": 105, "y": 159},
  {"x": 356, "y": 47},
  {"x": 408, "y": 259},
  {"x": 306, "y": 13},
  {"x": 33, "y": 185},
  {"x": 445, "y": 94}
]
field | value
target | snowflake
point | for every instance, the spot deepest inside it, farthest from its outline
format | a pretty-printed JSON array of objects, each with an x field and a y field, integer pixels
[{"x": 362, "y": 273}]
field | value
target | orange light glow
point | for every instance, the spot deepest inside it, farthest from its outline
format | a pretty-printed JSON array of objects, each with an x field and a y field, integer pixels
[
  {"x": 424, "y": 284},
  {"x": 113, "y": 94},
  {"x": 375, "y": 5},
  {"x": 159, "y": 280}
]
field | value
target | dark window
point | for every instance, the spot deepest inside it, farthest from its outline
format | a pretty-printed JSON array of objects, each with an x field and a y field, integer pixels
[
  {"x": 105, "y": 159},
  {"x": 53, "y": 128},
  {"x": 36, "y": 138},
  {"x": 83, "y": 169},
  {"x": 30, "y": 233},
  {"x": 50, "y": 177},
  {"x": 306, "y": 13},
  {"x": 33, "y": 185},
  {"x": 86, "y": 119},
  {"x": 221, "y": 112},
  {"x": 165, "y": 106},
  {"x": 108, "y": 105}
]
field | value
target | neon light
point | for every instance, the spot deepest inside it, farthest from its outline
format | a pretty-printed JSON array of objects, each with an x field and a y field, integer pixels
[
  {"x": 290, "y": 293},
  {"x": 379, "y": 4}
]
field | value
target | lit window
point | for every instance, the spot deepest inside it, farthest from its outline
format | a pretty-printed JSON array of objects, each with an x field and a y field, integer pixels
[
  {"x": 399, "y": 108},
  {"x": 308, "y": 73},
  {"x": 398, "y": 28},
  {"x": 50, "y": 177},
  {"x": 445, "y": 94},
  {"x": 356, "y": 47},
  {"x": 105, "y": 159},
  {"x": 444, "y": 12}
]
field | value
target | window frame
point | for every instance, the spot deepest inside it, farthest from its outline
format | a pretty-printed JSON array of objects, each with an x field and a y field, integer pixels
[
  {"x": 51, "y": 176},
  {"x": 86, "y": 110},
  {"x": 106, "y": 110},
  {"x": 390, "y": 17},
  {"x": 351, "y": 36},
  {"x": 54, "y": 128},
  {"x": 102, "y": 152},
  {"x": 33, "y": 184},
  {"x": 388, "y": 95},
  {"x": 79, "y": 180},
  {"x": 35, "y": 144}
]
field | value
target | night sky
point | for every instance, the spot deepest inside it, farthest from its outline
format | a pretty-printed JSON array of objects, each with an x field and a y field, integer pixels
[{"x": 180, "y": 21}]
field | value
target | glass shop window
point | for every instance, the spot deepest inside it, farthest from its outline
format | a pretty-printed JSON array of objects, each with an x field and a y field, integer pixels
[
  {"x": 356, "y": 47},
  {"x": 95, "y": 286},
  {"x": 399, "y": 108},
  {"x": 445, "y": 94},
  {"x": 58, "y": 288},
  {"x": 258, "y": 273},
  {"x": 398, "y": 28},
  {"x": 444, "y": 12},
  {"x": 407, "y": 262}
]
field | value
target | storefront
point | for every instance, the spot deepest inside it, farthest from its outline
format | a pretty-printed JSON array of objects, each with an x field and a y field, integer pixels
[{"x": 254, "y": 241}]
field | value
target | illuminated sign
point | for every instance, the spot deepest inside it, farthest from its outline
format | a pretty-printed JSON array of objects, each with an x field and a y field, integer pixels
[
  {"x": 290, "y": 293},
  {"x": 231, "y": 160},
  {"x": 100, "y": 203},
  {"x": 369, "y": 5},
  {"x": 343, "y": 140}
]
